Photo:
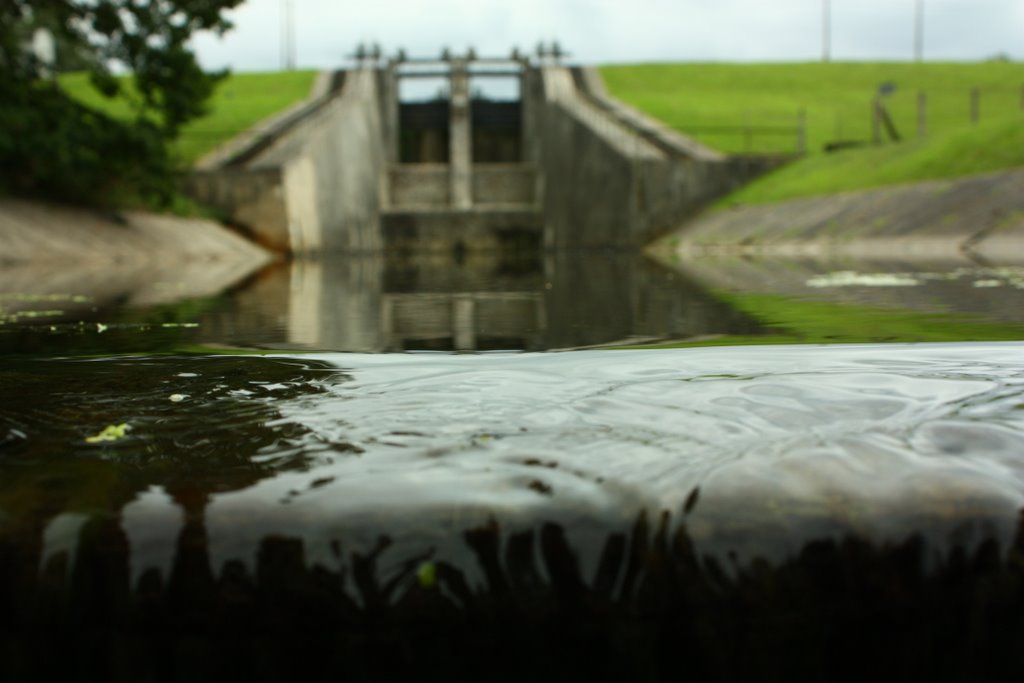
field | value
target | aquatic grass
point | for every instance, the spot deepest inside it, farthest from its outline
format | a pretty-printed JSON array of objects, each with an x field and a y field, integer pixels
[{"x": 793, "y": 321}]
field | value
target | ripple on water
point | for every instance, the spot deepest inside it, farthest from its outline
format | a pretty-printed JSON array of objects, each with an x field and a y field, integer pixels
[{"x": 783, "y": 444}]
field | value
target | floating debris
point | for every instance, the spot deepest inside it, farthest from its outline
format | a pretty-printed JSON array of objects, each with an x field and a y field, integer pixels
[
  {"x": 23, "y": 297},
  {"x": 427, "y": 575},
  {"x": 177, "y": 398},
  {"x": 850, "y": 278},
  {"x": 110, "y": 433}
]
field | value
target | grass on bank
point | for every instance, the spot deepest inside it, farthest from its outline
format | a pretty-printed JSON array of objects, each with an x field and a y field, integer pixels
[
  {"x": 240, "y": 101},
  {"x": 992, "y": 146},
  {"x": 836, "y": 99}
]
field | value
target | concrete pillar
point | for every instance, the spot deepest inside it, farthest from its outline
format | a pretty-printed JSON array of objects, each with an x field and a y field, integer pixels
[
  {"x": 460, "y": 157},
  {"x": 391, "y": 104},
  {"x": 464, "y": 322}
]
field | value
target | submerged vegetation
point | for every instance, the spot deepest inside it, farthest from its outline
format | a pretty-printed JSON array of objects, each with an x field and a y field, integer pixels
[{"x": 795, "y": 321}]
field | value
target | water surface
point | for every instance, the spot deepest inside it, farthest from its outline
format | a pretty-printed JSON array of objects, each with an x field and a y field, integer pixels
[{"x": 239, "y": 463}]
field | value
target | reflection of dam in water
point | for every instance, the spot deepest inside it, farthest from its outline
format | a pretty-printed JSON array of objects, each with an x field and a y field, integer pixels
[{"x": 556, "y": 301}]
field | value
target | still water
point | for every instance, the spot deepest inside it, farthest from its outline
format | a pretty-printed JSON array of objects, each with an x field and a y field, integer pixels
[
  {"x": 552, "y": 302},
  {"x": 226, "y": 457}
]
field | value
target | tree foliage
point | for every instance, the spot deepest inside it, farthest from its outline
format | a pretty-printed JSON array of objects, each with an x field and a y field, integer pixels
[{"x": 53, "y": 146}]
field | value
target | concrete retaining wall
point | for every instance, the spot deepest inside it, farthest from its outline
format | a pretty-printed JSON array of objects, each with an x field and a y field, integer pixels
[
  {"x": 473, "y": 230},
  {"x": 315, "y": 186},
  {"x": 980, "y": 216},
  {"x": 614, "y": 177},
  {"x": 605, "y": 175},
  {"x": 419, "y": 185},
  {"x": 504, "y": 184}
]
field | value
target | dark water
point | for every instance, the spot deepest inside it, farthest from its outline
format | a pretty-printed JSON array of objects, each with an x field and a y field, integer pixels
[
  {"x": 562, "y": 301},
  {"x": 170, "y": 509}
]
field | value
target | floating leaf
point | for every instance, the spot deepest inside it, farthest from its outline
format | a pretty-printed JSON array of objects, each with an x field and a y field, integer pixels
[
  {"x": 110, "y": 433},
  {"x": 427, "y": 575}
]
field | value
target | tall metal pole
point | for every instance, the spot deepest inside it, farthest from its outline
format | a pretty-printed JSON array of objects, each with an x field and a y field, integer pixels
[
  {"x": 826, "y": 30},
  {"x": 918, "y": 30},
  {"x": 287, "y": 35}
]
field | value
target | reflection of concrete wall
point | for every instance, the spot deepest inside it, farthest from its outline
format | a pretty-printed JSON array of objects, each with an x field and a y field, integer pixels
[
  {"x": 463, "y": 321},
  {"x": 335, "y": 303},
  {"x": 617, "y": 297},
  {"x": 370, "y": 303}
]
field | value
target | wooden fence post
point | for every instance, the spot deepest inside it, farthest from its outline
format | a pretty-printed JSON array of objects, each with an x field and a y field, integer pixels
[
  {"x": 975, "y": 105},
  {"x": 876, "y": 121},
  {"x": 922, "y": 115},
  {"x": 801, "y": 131}
]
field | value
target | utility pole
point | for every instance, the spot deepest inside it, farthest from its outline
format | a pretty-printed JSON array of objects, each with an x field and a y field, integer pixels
[
  {"x": 918, "y": 30},
  {"x": 826, "y": 30},
  {"x": 287, "y": 35}
]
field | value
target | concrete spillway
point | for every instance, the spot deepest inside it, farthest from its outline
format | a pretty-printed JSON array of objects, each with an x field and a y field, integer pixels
[{"x": 563, "y": 165}]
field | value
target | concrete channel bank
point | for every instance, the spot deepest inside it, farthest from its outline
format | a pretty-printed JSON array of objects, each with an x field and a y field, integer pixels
[
  {"x": 978, "y": 218},
  {"x": 360, "y": 168}
]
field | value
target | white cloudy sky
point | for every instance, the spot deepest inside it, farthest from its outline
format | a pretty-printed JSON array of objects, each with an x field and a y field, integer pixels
[{"x": 606, "y": 31}]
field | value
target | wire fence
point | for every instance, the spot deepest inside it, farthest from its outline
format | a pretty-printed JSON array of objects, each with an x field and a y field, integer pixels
[{"x": 912, "y": 113}]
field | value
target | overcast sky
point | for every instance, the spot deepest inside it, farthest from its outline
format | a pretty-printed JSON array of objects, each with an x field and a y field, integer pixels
[{"x": 610, "y": 31}]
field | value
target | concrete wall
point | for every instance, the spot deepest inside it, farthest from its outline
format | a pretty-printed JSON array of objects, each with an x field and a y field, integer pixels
[
  {"x": 419, "y": 185},
  {"x": 253, "y": 200},
  {"x": 605, "y": 175},
  {"x": 979, "y": 217},
  {"x": 613, "y": 177},
  {"x": 316, "y": 185},
  {"x": 479, "y": 229},
  {"x": 504, "y": 184}
]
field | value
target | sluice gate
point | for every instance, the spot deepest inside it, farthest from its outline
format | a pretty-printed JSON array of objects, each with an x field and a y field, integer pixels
[{"x": 413, "y": 155}]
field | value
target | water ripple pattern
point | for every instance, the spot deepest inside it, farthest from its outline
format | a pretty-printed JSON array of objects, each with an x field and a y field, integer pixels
[{"x": 776, "y": 445}]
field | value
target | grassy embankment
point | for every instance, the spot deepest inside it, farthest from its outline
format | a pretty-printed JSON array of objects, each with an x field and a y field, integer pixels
[
  {"x": 836, "y": 99},
  {"x": 241, "y": 101}
]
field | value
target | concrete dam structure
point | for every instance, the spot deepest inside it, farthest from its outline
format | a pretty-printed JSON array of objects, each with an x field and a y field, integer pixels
[{"x": 359, "y": 167}]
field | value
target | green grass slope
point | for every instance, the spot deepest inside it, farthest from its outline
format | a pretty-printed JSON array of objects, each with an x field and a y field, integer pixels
[
  {"x": 714, "y": 102},
  {"x": 835, "y": 96},
  {"x": 241, "y": 101},
  {"x": 991, "y": 146}
]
